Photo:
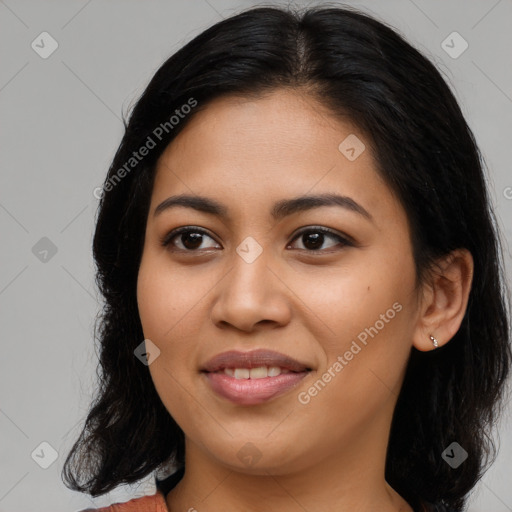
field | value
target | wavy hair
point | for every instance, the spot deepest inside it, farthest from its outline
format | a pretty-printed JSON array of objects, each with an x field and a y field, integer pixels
[{"x": 356, "y": 67}]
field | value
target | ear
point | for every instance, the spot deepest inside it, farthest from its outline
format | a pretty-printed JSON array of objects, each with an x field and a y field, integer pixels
[{"x": 444, "y": 300}]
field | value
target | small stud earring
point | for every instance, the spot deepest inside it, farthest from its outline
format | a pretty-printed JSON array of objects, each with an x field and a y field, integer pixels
[{"x": 434, "y": 342}]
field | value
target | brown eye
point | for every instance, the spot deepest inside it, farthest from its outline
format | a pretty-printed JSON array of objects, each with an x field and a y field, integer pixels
[
  {"x": 313, "y": 239},
  {"x": 187, "y": 239}
]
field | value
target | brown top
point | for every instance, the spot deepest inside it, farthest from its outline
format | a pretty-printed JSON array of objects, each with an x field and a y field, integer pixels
[
  {"x": 153, "y": 503},
  {"x": 156, "y": 502}
]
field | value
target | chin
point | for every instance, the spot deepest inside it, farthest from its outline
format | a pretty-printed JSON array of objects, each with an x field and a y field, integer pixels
[{"x": 258, "y": 456}]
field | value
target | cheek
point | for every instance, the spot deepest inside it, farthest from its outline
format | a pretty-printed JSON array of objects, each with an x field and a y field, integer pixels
[
  {"x": 172, "y": 305},
  {"x": 341, "y": 304},
  {"x": 165, "y": 299},
  {"x": 376, "y": 350},
  {"x": 166, "y": 310},
  {"x": 365, "y": 319}
]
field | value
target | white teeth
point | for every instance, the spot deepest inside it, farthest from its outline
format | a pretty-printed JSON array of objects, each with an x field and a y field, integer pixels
[
  {"x": 274, "y": 371},
  {"x": 258, "y": 373},
  {"x": 255, "y": 373},
  {"x": 241, "y": 373}
]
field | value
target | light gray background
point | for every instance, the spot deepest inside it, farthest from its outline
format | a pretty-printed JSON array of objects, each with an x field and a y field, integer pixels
[{"x": 60, "y": 126}]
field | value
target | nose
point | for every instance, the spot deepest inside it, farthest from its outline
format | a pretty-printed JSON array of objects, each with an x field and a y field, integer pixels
[{"x": 252, "y": 295}]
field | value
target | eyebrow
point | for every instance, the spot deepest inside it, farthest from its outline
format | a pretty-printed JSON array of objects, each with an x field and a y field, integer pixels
[{"x": 281, "y": 209}]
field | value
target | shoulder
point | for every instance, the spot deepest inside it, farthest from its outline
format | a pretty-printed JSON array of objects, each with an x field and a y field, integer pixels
[{"x": 153, "y": 503}]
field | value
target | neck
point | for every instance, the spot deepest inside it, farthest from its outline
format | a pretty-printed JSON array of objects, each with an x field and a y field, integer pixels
[{"x": 346, "y": 480}]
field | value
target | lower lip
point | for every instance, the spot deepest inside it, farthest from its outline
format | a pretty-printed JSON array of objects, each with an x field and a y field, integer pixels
[{"x": 253, "y": 391}]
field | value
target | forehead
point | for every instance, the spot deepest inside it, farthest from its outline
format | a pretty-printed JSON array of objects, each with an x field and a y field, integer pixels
[
  {"x": 283, "y": 144},
  {"x": 278, "y": 124}
]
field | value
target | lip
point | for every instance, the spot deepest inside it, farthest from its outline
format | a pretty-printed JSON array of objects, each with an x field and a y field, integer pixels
[
  {"x": 253, "y": 359},
  {"x": 253, "y": 391}
]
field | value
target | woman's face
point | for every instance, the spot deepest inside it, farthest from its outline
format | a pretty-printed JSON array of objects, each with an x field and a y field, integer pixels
[{"x": 261, "y": 275}]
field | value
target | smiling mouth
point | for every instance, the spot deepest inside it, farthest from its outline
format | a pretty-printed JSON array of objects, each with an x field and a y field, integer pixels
[{"x": 252, "y": 378}]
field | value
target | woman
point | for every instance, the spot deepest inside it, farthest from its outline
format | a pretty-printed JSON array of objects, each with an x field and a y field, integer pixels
[{"x": 302, "y": 278}]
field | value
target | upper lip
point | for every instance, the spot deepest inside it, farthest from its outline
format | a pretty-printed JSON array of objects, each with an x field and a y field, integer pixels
[{"x": 253, "y": 359}]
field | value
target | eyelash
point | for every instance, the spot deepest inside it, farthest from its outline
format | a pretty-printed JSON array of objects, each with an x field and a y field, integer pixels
[{"x": 167, "y": 239}]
